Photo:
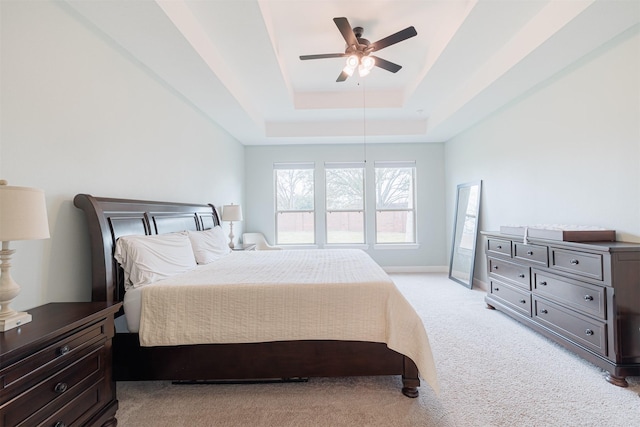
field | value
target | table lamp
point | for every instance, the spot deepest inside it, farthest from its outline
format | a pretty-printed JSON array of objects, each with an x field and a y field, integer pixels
[
  {"x": 23, "y": 216},
  {"x": 231, "y": 213}
]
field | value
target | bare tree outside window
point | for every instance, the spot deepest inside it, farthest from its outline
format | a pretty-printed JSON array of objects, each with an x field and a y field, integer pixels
[
  {"x": 395, "y": 209},
  {"x": 344, "y": 203},
  {"x": 295, "y": 219},
  {"x": 345, "y": 219}
]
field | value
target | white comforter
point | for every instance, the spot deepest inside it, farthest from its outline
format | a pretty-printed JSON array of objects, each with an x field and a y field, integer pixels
[{"x": 261, "y": 296}]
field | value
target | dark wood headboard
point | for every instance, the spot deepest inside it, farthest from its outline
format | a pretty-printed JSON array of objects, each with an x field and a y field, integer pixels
[{"x": 108, "y": 219}]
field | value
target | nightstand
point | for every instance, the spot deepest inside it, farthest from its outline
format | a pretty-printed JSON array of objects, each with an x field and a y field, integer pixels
[{"x": 56, "y": 370}]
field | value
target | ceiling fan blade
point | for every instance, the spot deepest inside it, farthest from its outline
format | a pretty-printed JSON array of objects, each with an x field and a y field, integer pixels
[
  {"x": 346, "y": 30},
  {"x": 394, "y": 38},
  {"x": 322, "y": 56},
  {"x": 387, "y": 65},
  {"x": 342, "y": 77}
]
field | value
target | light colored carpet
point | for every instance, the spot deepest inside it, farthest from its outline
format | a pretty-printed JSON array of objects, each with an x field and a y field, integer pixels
[{"x": 492, "y": 372}]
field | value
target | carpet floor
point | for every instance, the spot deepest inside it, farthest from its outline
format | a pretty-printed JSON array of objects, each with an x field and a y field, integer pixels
[{"x": 492, "y": 372}]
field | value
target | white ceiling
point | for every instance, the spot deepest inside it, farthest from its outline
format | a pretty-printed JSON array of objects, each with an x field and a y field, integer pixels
[{"x": 237, "y": 61}]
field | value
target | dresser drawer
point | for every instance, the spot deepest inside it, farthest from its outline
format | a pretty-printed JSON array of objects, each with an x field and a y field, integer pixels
[
  {"x": 535, "y": 254},
  {"x": 580, "y": 296},
  {"x": 516, "y": 273},
  {"x": 575, "y": 327},
  {"x": 54, "y": 391},
  {"x": 498, "y": 246},
  {"x": 514, "y": 297},
  {"x": 28, "y": 371},
  {"x": 582, "y": 263}
]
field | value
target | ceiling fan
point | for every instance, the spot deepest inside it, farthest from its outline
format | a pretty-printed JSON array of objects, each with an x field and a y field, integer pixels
[{"x": 358, "y": 51}]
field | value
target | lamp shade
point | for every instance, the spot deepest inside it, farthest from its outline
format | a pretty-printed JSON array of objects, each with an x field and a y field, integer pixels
[
  {"x": 23, "y": 213},
  {"x": 231, "y": 213}
]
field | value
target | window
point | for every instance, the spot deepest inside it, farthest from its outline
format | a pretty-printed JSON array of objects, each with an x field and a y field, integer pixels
[
  {"x": 295, "y": 218},
  {"x": 395, "y": 207},
  {"x": 344, "y": 202}
]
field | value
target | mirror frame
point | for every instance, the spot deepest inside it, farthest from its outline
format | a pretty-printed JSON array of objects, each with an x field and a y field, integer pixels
[{"x": 458, "y": 229}]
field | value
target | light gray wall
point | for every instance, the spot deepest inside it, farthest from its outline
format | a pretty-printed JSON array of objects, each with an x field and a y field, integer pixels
[
  {"x": 568, "y": 153},
  {"x": 79, "y": 116},
  {"x": 260, "y": 199}
]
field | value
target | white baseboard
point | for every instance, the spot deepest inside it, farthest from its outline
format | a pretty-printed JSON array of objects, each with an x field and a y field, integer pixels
[{"x": 479, "y": 284}]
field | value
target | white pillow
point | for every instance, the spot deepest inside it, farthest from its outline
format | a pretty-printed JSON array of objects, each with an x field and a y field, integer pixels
[
  {"x": 209, "y": 245},
  {"x": 147, "y": 259}
]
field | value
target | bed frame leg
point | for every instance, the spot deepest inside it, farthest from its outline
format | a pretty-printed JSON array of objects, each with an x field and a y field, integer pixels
[
  {"x": 411, "y": 392},
  {"x": 410, "y": 379}
]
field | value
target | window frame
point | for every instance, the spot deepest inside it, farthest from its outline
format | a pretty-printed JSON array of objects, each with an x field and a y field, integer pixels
[
  {"x": 362, "y": 211},
  {"x": 409, "y": 164},
  {"x": 295, "y": 166}
]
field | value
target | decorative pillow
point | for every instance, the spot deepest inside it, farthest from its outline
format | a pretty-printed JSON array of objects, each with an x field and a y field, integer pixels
[
  {"x": 147, "y": 259},
  {"x": 209, "y": 245}
]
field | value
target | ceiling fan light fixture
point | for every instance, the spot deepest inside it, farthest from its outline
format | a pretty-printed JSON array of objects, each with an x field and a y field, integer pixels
[
  {"x": 358, "y": 49},
  {"x": 366, "y": 65},
  {"x": 363, "y": 71},
  {"x": 368, "y": 62},
  {"x": 348, "y": 70},
  {"x": 353, "y": 61}
]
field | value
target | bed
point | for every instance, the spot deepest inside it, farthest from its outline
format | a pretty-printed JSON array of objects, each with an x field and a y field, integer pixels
[{"x": 358, "y": 347}]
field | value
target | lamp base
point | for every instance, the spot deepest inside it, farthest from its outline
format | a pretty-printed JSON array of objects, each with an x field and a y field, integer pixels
[{"x": 18, "y": 319}]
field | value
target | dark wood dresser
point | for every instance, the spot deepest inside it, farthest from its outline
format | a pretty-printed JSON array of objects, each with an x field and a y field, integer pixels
[
  {"x": 584, "y": 296},
  {"x": 56, "y": 370}
]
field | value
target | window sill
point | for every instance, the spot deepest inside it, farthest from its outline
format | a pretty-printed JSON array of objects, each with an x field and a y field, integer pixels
[
  {"x": 396, "y": 246},
  {"x": 362, "y": 246}
]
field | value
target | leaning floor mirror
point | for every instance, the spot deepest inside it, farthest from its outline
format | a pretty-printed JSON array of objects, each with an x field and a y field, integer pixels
[{"x": 465, "y": 233}]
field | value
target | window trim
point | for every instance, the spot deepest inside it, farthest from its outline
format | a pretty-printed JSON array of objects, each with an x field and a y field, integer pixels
[
  {"x": 295, "y": 166},
  {"x": 399, "y": 164},
  {"x": 362, "y": 210}
]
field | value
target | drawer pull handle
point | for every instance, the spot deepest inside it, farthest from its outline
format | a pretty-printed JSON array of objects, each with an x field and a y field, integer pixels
[
  {"x": 521, "y": 276},
  {"x": 543, "y": 283},
  {"x": 588, "y": 332},
  {"x": 63, "y": 350},
  {"x": 544, "y": 311},
  {"x": 496, "y": 289},
  {"x": 499, "y": 246},
  {"x": 523, "y": 301},
  {"x": 495, "y": 267},
  {"x": 574, "y": 262},
  {"x": 588, "y": 298},
  {"x": 60, "y": 388},
  {"x": 529, "y": 252},
  {"x": 60, "y": 424}
]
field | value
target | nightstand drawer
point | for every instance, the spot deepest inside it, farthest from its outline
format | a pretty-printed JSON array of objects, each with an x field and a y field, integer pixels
[
  {"x": 516, "y": 273},
  {"x": 53, "y": 392},
  {"x": 23, "y": 374},
  {"x": 582, "y": 263},
  {"x": 79, "y": 409}
]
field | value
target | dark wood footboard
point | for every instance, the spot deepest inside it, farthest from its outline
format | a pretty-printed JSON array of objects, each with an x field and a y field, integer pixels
[{"x": 260, "y": 361}]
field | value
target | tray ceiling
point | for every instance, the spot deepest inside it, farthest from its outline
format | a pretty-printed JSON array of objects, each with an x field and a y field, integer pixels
[{"x": 238, "y": 61}]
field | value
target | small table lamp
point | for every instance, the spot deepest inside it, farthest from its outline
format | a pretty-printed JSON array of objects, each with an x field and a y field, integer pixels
[
  {"x": 23, "y": 216},
  {"x": 231, "y": 213}
]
